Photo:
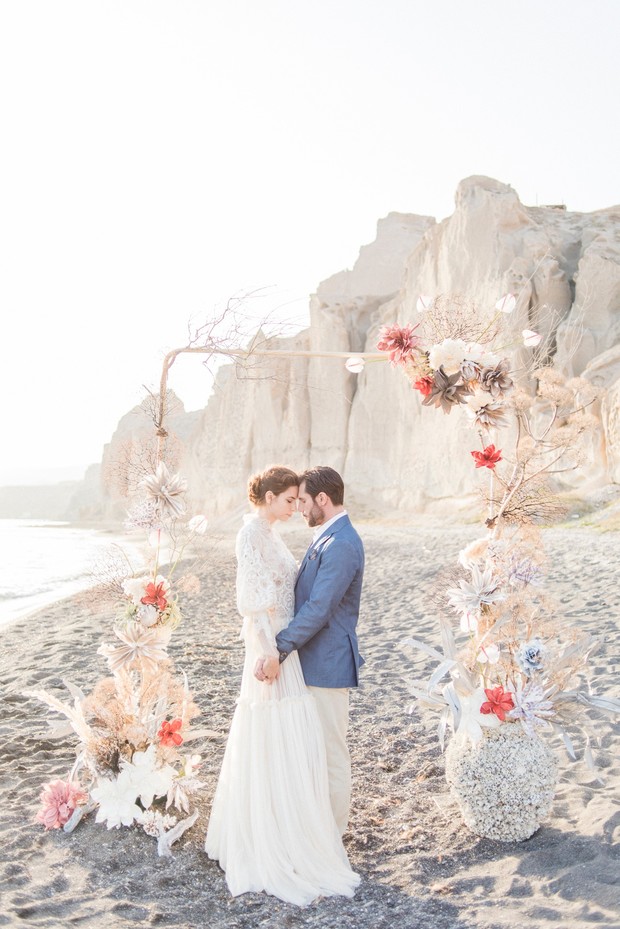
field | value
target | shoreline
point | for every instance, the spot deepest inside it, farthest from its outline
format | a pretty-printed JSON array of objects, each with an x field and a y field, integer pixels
[
  {"x": 293, "y": 533},
  {"x": 100, "y": 543}
]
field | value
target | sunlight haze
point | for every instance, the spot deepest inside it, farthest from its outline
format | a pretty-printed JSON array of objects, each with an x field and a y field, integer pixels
[{"x": 160, "y": 157}]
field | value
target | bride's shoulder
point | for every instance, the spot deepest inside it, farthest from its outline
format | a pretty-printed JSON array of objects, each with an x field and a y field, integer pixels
[{"x": 254, "y": 526}]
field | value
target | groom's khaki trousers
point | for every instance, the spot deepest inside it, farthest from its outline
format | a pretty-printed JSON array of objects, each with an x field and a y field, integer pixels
[{"x": 333, "y": 706}]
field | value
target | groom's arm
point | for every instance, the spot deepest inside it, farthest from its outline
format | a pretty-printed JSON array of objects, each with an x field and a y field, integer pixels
[{"x": 340, "y": 562}]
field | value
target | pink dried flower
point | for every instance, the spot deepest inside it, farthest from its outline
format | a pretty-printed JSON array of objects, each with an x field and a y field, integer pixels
[
  {"x": 59, "y": 799},
  {"x": 399, "y": 341}
]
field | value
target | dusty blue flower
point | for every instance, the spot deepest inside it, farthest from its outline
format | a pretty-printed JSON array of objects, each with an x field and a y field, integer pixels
[{"x": 531, "y": 656}]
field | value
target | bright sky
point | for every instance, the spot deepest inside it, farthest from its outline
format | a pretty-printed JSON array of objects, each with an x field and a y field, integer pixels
[{"x": 158, "y": 157}]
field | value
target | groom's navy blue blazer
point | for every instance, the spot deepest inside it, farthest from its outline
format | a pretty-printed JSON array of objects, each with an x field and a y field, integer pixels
[{"x": 327, "y": 603}]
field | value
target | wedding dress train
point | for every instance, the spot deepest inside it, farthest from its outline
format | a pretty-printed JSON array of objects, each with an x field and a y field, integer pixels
[{"x": 271, "y": 826}]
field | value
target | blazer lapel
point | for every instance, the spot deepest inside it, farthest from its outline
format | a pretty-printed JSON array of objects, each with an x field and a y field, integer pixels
[
  {"x": 313, "y": 552},
  {"x": 304, "y": 562}
]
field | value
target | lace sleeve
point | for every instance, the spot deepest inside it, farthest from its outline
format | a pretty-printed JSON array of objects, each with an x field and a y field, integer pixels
[{"x": 256, "y": 589}]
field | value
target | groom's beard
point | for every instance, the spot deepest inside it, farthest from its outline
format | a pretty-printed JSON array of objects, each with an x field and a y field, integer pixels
[{"x": 316, "y": 516}]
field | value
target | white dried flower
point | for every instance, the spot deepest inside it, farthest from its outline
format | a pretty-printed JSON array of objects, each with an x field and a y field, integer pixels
[
  {"x": 135, "y": 588},
  {"x": 484, "y": 410},
  {"x": 469, "y": 596},
  {"x": 117, "y": 801},
  {"x": 471, "y": 721},
  {"x": 154, "y": 822},
  {"x": 149, "y": 779},
  {"x": 532, "y": 708},
  {"x": 474, "y": 352},
  {"x": 447, "y": 355},
  {"x": 147, "y": 614}
]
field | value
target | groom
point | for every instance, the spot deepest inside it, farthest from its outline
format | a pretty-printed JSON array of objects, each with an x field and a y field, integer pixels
[{"x": 323, "y": 629}]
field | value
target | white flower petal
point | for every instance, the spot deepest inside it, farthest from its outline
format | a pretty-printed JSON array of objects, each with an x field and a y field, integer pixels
[
  {"x": 469, "y": 623},
  {"x": 506, "y": 304},
  {"x": 117, "y": 802},
  {"x": 423, "y": 303},
  {"x": 488, "y": 654},
  {"x": 159, "y": 538},
  {"x": 531, "y": 339},
  {"x": 354, "y": 365},
  {"x": 147, "y": 779}
]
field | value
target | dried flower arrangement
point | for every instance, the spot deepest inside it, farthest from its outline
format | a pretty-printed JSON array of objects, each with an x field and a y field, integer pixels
[
  {"x": 131, "y": 766},
  {"x": 510, "y": 663}
]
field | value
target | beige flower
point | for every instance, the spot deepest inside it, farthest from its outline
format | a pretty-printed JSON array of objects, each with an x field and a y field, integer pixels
[
  {"x": 473, "y": 552},
  {"x": 166, "y": 488},
  {"x": 446, "y": 391},
  {"x": 141, "y": 647},
  {"x": 496, "y": 380}
]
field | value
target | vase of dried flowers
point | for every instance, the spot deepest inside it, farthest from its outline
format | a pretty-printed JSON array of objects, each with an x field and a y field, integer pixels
[{"x": 504, "y": 783}]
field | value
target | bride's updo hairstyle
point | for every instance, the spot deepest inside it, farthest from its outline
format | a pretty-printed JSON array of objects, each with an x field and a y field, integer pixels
[{"x": 277, "y": 479}]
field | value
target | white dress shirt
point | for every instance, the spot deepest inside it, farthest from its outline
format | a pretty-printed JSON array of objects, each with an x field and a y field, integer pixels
[{"x": 319, "y": 530}]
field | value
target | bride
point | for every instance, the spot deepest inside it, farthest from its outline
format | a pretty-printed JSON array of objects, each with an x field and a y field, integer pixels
[{"x": 272, "y": 827}]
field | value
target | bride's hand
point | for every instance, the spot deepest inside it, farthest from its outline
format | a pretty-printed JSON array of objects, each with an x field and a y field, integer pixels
[
  {"x": 271, "y": 669},
  {"x": 258, "y": 670}
]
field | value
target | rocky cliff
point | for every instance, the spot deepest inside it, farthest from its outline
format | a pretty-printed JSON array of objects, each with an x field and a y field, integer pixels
[{"x": 565, "y": 267}]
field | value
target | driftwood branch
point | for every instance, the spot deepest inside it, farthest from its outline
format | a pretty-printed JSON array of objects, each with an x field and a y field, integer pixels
[{"x": 233, "y": 353}]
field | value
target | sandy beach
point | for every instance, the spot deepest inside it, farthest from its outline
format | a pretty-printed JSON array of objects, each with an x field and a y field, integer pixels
[{"x": 420, "y": 866}]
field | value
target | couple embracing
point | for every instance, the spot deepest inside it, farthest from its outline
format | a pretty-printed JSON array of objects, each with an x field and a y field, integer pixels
[{"x": 283, "y": 795}]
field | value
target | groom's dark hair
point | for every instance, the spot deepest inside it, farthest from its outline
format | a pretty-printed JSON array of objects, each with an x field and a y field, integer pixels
[{"x": 323, "y": 480}]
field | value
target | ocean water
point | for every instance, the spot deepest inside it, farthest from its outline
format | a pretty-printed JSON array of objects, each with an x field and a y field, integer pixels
[{"x": 42, "y": 561}]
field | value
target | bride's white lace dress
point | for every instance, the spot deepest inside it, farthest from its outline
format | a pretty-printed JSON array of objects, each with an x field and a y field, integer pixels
[{"x": 271, "y": 826}]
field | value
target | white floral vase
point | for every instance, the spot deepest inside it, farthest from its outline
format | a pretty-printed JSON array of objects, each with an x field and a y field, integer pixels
[{"x": 504, "y": 784}]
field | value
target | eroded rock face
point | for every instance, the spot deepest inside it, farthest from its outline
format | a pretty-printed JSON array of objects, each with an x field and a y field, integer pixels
[
  {"x": 491, "y": 245},
  {"x": 393, "y": 454}
]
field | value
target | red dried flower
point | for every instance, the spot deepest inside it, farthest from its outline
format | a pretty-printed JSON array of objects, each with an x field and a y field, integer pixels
[
  {"x": 424, "y": 385},
  {"x": 399, "y": 341},
  {"x": 155, "y": 595},
  {"x": 487, "y": 458},
  {"x": 499, "y": 701},
  {"x": 169, "y": 734}
]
